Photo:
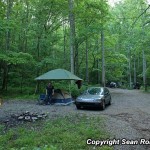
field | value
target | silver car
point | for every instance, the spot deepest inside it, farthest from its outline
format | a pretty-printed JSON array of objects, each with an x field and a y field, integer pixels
[{"x": 94, "y": 97}]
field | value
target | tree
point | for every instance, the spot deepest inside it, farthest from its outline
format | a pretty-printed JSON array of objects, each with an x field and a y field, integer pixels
[
  {"x": 72, "y": 33},
  {"x": 129, "y": 33}
]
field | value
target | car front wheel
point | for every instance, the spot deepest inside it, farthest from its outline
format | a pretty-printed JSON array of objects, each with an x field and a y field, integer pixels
[
  {"x": 78, "y": 106},
  {"x": 109, "y": 101},
  {"x": 103, "y": 105}
]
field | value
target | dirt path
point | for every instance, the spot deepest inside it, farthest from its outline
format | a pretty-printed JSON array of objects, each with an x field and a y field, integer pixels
[{"x": 127, "y": 118}]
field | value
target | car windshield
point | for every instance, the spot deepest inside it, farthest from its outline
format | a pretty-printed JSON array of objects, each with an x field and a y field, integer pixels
[{"x": 94, "y": 91}]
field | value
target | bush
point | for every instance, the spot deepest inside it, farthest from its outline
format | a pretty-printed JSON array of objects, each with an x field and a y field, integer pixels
[{"x": 76, "y": 92}]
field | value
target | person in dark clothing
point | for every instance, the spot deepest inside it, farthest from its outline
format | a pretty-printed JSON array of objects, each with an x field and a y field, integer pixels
[
  {"x": 79, "y": 83},
  {"x": 49, "y": 93}
]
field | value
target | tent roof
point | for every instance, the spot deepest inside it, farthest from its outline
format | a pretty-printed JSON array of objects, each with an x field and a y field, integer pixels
[{"x": 58, "y": 74}]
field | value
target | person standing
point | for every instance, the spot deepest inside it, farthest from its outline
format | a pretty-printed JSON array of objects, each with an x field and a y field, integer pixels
[{"x": 49, "y": 93}]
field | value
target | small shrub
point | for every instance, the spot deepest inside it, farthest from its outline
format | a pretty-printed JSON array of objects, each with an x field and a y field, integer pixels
[{"x": 76, "y": 92}]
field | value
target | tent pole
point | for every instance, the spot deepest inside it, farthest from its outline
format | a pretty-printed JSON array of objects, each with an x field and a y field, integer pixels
[
  {"x": 36, "y": 88},
  {"x": 70, "y": 87}
]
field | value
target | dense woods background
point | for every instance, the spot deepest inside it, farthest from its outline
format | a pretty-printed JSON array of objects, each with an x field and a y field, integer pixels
[{"x": 93, "y": 40}]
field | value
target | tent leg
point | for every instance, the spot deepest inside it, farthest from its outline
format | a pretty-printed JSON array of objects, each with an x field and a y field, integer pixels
[
  {"x": 37, "y": 88},
  {"x": 70, "y": 87}
]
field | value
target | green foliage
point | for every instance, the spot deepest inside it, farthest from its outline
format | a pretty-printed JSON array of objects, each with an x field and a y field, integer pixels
[
  {"x": 69, "y": 132},
  {"x": 116, "y": 65},
  {"x": 76, "y": 92},
  {"x": 35, "y": 38},
  {"x": 23, "y": 93},
  {"x": 17, "y": 58},
  {"x": 1, "y": 128}
]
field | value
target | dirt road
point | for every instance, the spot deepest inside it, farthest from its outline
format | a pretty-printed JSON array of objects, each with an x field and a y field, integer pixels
[{"x": 127, "y": 118}]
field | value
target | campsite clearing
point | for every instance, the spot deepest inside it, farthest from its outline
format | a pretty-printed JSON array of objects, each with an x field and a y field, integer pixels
[{"x": 128, "y": 116}]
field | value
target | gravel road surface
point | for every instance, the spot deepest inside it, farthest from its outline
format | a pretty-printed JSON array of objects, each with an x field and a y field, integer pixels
[{"x": 127, "y": 118}]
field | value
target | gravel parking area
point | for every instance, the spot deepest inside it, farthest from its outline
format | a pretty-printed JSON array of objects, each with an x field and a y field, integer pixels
[{"x": 127, "y": 118}]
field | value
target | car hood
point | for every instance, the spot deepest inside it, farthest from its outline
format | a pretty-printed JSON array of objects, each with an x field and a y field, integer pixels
[{"x": 89, "y": 97}]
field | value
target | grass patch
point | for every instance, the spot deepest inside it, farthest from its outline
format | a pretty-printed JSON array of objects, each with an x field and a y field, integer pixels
[
  {"x": 143, "y": 89},
  {"x": 67, "y": 133},
  {"x": 21, "y": 97}
]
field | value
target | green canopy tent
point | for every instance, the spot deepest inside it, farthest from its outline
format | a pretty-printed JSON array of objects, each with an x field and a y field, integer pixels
[{"x": 59, "y": 74}]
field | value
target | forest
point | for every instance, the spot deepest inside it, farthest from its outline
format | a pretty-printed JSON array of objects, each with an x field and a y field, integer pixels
[{"x": 90, "y": 38}]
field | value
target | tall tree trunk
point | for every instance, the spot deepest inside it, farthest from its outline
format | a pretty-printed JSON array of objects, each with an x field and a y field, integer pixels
[
  {"x": 130, "y": 78},
  {"x": 5, "y": 76},
  {"x": 27, "y": 22},
  {"x": 144, "y": 71},
  {"x": 98, "y": 62},
  {"x": 134, "y": 70},
  {"x": 64, "y": 32},
  {"x": 87, "y": 65},
  {"x": 76, "y": 60},
  {"x": 98, "y": 71},
  {"x": 5, "y": 66},
  {"x": 8, "y": 13},
  {"x": 72, "y": 33},
  {"x": 103, "y": 58},
  {"x": 138, "y": 66},
  {"x": 38, "y": 58},
  {"x": 143, "y": 52}
]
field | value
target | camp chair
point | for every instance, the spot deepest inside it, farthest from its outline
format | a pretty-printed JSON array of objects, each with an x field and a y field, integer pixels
[{"x": 41, "y": 99}]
